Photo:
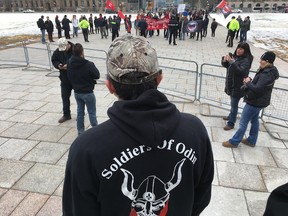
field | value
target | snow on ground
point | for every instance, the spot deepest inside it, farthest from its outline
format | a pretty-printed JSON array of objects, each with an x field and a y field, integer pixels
[{"x": 268, "y": 30}]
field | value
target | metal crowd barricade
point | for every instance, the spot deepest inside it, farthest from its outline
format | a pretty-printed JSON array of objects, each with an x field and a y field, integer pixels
[
  {"x": 178, "y": 81},
  {"x": 211, "y": 92},
  {"x": 36, "y": 57},
  {"x": 276, "y": 114},
  {"x": 13, "y": 57},
  {"x": 211, "y": 88}
]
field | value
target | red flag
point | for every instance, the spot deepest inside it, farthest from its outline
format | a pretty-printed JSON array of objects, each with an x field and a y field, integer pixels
[
  {"x": 226, "y": 10},
  {"x": 221, "y": 4},
  {"x": 121, "y": 15},
  {"x": 110, "y": 5}
]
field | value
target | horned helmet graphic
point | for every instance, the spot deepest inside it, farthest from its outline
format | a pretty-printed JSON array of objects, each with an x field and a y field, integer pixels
[{"x": 152, "y": 196}]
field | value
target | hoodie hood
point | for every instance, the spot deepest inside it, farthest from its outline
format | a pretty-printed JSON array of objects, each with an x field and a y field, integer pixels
[
  {"x": 148, "y": 120},
  {"x": 275, "y": 72},
  {"x": 77, "y": 62}
]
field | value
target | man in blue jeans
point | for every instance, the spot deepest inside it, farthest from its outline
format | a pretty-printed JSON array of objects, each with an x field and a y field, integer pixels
[
  {"x": 82, "y": 75},
  {"x": 42, "y": 27}
]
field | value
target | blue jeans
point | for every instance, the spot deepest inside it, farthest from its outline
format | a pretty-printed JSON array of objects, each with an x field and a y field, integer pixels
[
  {"x": 182, "y": 35},
  {"x": 249, "y": 114},
  {"x": 89, "y": 100},
  {"x": 233, "y": 111},
  {"x": 43, "y": 36},
  {"x": 243, "y": 36},
  {"x": 75, "y": 31}
]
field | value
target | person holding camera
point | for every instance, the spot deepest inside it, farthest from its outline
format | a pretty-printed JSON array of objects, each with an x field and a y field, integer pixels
[
  {"x": 59, "y": 60},
  {"x": 257, "y": 96},
  {"x": 238, "y": 66}
]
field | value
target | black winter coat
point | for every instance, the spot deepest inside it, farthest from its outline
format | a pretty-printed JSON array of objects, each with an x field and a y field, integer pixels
[
  {"x": 173, "y": 25},
  {"x": 49, "y": 26},
  {"x": 62, "y": 57},
  {"x": 65, "y": 24},
  {"x": 82, "y": 74},
  {"x": 236, "y": 71},
  {"x": 41, "y": 24},
  {"x": 259, "y": 90},
  {"x": 142, "y": 25}
]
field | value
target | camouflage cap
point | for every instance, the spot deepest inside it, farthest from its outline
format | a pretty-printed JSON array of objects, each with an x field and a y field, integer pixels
[{"x": 128, "y": 54}]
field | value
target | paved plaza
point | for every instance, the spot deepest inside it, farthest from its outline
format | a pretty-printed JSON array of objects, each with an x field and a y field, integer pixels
[{"x": 34, "y": 146}]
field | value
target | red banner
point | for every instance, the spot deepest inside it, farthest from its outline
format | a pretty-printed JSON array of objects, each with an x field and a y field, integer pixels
[{"x": 154, "y": 24}]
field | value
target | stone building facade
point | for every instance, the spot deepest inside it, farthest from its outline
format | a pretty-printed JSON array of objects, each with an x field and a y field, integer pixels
[{"x": 128, "y": 5}]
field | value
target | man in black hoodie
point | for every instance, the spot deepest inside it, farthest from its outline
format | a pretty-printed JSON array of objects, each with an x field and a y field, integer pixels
[
  {"x": 148, "y": 158},
  {"x": 82, "y": 75}
]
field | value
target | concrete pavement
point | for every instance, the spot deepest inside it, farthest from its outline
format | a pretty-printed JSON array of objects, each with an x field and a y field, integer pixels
[{"x": 34, "y": 146}]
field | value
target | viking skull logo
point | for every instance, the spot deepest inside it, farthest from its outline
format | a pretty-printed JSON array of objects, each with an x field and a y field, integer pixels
[{"x": 152, "y": 196}]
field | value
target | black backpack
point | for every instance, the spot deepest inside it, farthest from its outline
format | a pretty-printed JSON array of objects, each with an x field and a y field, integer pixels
[{"x": 38, "y": 23}]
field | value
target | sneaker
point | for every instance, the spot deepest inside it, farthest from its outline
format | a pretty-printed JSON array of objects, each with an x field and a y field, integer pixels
[
  {"x": 64, "y": 118},
  {"x": 227, "y": 144},
  {"x": 226, "y": 118},
  {"x": 245, "y": 141},
  {"x": 228, "y": 127}
]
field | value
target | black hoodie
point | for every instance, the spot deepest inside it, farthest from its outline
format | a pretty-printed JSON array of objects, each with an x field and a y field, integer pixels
[
  {"x": 82, "y": 74},
  {"x": 148, "y": 157}
]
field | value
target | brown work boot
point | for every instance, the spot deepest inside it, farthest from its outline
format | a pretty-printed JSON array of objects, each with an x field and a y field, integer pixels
[
  {"x": 245, "y": 141},
  {"x": 227, "y": 144},
  {"x": 226, "y": 118},
  {"x": 228, "y": 127},
  {"x": 64, "y": 118}
]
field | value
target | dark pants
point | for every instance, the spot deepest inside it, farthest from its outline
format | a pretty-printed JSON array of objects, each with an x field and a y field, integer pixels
[
  {"x": 199, "y": 32},
  {"x": 85, "y": 34},
  {"x": 231, "y": 38},
  {"x": 66, "y": 89},
  {"x": 172, "y": 33},
  {"x": 50, "y": 37},
  {"x": 143, "y": 33},
  {"x": 213, "y": 32},
  {"x": 237, "y": 33},
  {"x": 115, "y": 34},
  {"x": 67, "y": 34},
  {"x": 59, "y": 32},
  {"x": 204, "y": 31}
]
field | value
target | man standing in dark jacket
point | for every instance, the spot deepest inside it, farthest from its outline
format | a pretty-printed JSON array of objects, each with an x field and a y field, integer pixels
[
  {"x": 82, "y": 75},
  {"x": 50, "y": 28},
  {"x": 60, "y": 59},
  {"x": 173, "y": 27},
  {"x": 42, "y": 27},
  {"x": 58, "y": 26},
  {"x": 142, "y": 26},
  {"x": 66, "y": 26},
  {"x": 114, "y": 27},
  {"x": 148, "y": 158}
]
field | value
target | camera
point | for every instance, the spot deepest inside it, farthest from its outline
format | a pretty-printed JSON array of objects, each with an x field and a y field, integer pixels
[
  {"x": 230, "y": 54},
  {"x": 244, "y": 87}
]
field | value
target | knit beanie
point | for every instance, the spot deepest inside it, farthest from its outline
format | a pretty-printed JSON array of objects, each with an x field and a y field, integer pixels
[{"x": 269, "y": 57}]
